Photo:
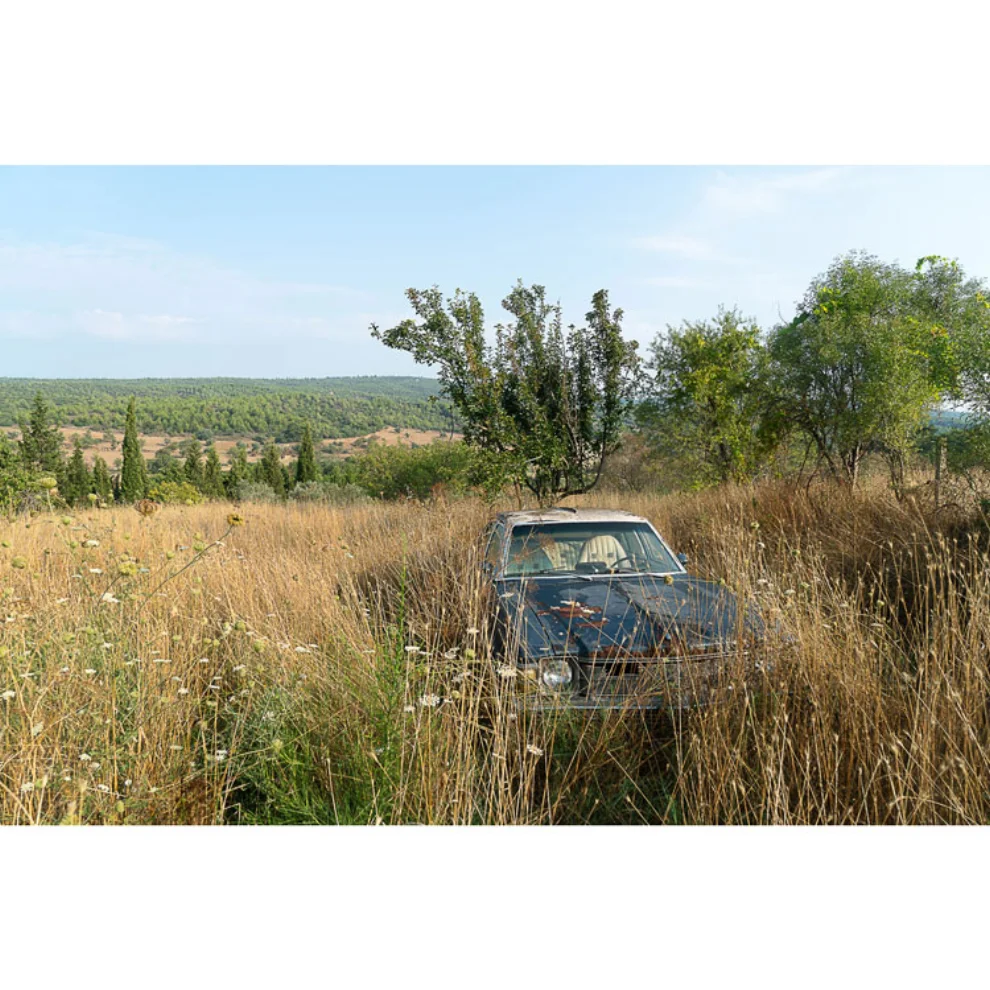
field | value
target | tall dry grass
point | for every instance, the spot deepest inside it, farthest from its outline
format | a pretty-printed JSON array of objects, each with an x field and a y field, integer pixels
[{"x": 332, "y": 665}]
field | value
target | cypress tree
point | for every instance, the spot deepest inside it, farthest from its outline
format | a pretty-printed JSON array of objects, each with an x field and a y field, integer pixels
[
  {"x": 134, "y": 472},
  {"x": 102, "y": 482},
  {"x": 193, "y": 467},
  {"x": 213, "y": 474},
  {"x": 306, "y": 469},
  {"x": 240, "y": 469},
  {"x": 41, "y": 441},
  {"x": 270, "y": 468},
  {"x": 78, "y": 483}
]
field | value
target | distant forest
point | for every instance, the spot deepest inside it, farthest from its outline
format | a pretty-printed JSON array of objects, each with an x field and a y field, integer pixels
[{"x": 270, "y": 407}]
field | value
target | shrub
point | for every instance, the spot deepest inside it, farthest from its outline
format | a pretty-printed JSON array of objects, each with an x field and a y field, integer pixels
[
  {"x": 176, "y": 493},
  {"x": 255, "y": 491},
  {"x": 328, "y": 493}
]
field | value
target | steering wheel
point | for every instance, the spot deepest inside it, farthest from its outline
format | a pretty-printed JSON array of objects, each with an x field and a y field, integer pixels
[{"x": 630, "y": 557}]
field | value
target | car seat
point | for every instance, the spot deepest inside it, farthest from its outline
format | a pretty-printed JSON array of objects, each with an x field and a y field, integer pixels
[
  {"x": 529, "y": 560},
  {"x": 604, "y": 549}
]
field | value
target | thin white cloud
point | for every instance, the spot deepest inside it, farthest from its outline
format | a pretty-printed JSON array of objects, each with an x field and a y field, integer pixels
[
  {"x": 101, "y": 324},
  {"x": 678, "y": 282},
  {"x": 681, "y": 246},
  {"x": 729, "y": 198},
  {"x": 138, "y": 327},
  {"x": 742, "y": 195},
  {"x": 127, "y": 273}
]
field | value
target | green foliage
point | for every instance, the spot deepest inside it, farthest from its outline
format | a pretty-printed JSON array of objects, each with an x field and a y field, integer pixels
[
  {"x": 78, "y": 480},
  {"x": 192, "y": 466},
  {"x": 403, "y": 472},
  {"x": 102, "y": 480},
  {"x": 545, "y": 402},
  {"x": 708, "y": 408},
  {"x": 213, "y": 481},
  {"x": 859, "y": 368},
  {"x": 134, "y": 472},
  {"x": 255, "y": 491},
  {"x": 240, "y": 468},
  {"x": 209, "y": 407},
  {"x": 164, "y": 466},
  {"x": 14, "y": 479},
  {"x": 270, "y": 469},
  {"x": 176, "y": 493},
  {"x": 328, "y": 493},
  {"x": 306, "y": 469},
  {"x": 41, "y": 441}
]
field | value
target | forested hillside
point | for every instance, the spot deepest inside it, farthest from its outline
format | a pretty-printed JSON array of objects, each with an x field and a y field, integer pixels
[{"x": 334, "y": 407}]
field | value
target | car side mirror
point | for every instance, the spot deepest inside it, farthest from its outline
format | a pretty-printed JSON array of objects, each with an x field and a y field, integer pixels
[{"x": 683, "y": 559}]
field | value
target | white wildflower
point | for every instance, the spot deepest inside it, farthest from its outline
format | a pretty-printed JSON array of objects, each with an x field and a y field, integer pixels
[
  {"x": 103, "y": 787},
  {"x": 409, "y": 709},
  {"x": 301, "y": 649},
  {"x": 472, "y": 631},
  {"x": 91, "y": 543},
  {"x": 85, "y": 757},
  {"x": 534, "y": 750},
  {"x": 412, "y": 649},
  {"x": 95, "y": 570},
  {"x": 507, "y": 672},
  {"x": 429, "y": 700},
  {"x": 8, "y": 695},
  {"x": 183, "y": 690},
  {"x": 106, "y": 646}
]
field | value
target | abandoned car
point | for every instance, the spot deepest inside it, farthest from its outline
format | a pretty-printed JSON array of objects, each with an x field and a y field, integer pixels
[{"x": 595, "y": 611}]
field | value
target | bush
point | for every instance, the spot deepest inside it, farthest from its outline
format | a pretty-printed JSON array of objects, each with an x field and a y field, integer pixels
[
  {"x": 255, "y": 491},
  {"x": 328, "y": 493},
  {"x": 176, "y": 493},
  {"x": 397, "y": 472}
]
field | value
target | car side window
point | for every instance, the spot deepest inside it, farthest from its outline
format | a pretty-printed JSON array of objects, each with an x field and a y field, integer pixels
[{"x": 493, "y": 552}]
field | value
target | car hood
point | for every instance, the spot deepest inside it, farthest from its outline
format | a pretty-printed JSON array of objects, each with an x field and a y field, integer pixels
[{"x": 619, "y": 617}]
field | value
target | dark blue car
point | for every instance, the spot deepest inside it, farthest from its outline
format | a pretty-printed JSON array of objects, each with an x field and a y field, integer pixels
[{"x": 594, "y": 610}]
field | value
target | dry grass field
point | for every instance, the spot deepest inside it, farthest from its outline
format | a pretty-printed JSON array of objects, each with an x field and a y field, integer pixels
[{"x": 321, "y": 665}]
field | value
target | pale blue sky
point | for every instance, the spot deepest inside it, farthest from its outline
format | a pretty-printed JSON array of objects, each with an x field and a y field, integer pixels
[{"x": 127, "y": 272}]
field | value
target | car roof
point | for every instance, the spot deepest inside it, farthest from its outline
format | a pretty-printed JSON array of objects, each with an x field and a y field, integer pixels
[{"x": 529, "y": 516}]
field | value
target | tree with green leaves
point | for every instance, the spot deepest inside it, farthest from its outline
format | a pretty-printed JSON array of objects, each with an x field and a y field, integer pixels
[
  {"x": 306, "y": 469},
  {"x": 41, "y": 441},
  {"x": 213, "y": 486},
  {"x": 859, "y": 368},
  {"x": 545, "y": 405},
  {"x": 955, "y": 311},
  {"x": 270, "y": 469},
  {"x": 102, "y": 481},
  {"x": 78, "y": 481},
  {"x": 240, "y": 468},
  {"x": 134, "y": 471},
  {"x": 707, "y": 409},
  {"x": 192, "y": 467}
]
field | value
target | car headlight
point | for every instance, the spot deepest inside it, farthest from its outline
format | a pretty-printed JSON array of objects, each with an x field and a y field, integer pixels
[{"x": 556, "y": 674}]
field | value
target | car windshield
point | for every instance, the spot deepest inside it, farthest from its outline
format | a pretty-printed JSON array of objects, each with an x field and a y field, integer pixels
[{"x": 587, "y": 548}]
